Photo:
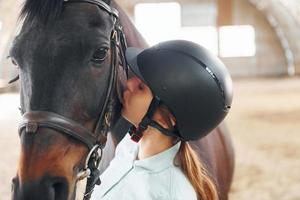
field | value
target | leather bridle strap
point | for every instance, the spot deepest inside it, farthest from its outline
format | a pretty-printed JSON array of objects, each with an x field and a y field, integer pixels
[
  {"x": 105, "y": 116},
  {"x": 99, "y": 3},
  {"x": 41, "y": 119}
]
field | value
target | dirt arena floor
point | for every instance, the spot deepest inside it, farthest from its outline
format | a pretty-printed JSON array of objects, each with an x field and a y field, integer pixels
[{"x": 265, "y": 127}]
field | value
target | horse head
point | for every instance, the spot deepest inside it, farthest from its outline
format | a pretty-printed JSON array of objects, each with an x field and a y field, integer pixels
[{"x": 67, "y": 54}]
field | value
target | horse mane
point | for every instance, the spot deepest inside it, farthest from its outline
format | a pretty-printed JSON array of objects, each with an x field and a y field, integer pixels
[{"x": 43, "y": 10}]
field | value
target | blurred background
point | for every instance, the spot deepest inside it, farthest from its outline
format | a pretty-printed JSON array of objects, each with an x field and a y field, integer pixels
[{"x": 258, "y": 40}]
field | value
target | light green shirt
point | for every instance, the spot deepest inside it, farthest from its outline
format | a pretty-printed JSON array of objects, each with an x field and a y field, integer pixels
[{"x": 153, "y": 178}]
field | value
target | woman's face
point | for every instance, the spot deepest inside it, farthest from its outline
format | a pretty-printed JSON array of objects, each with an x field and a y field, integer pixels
[{"x": 137, "y": 98}]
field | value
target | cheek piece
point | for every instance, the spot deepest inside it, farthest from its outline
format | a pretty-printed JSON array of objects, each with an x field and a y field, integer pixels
[{"x": 137, "y": 133}]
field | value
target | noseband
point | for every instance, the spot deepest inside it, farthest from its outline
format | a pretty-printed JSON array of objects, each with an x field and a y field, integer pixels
[{"x": 96, "y": 140}]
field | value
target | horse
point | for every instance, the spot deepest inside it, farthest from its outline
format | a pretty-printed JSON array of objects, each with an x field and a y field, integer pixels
[{"x": 70, "y": 55}]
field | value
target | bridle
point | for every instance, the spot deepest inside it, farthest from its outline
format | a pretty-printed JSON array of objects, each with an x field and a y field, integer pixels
[{"x": 96, "y": 140}]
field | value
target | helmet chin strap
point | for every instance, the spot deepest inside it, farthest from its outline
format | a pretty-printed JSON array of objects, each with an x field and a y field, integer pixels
[{"x": 137, "y": 133}]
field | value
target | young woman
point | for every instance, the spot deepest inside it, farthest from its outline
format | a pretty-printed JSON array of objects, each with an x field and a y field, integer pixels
[{"x": 181, "y": 92}]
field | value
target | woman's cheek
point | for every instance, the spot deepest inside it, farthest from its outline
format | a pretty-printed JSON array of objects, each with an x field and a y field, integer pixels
[
  {"x": 125, "y": 95},
  {"x": 125, "y": 102}
]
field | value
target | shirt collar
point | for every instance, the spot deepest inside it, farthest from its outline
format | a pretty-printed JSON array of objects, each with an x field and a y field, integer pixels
[{"x": 159, "y": 161}]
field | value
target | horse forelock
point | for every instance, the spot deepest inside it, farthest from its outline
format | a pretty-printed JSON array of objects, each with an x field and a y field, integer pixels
[{"x": 44, "y": 10}]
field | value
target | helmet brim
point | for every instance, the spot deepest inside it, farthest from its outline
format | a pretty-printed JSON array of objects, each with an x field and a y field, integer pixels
[{"x": 131, "y": 55}]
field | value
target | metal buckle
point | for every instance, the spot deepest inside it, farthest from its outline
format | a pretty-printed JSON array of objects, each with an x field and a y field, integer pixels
[
  {"x": 93, "y": 154},
  {"x": 114, "y": 36},
  {"x": 135, "y": 137},
  {"x": 31, "y": 127},
  {"x": 107, "y": 118}
]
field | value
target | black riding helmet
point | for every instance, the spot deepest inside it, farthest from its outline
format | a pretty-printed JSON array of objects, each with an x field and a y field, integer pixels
[{"x": 192, "y": 82}]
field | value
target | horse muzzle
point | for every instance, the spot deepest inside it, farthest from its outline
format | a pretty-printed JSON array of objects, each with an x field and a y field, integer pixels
[{"x": 46, "y": 188}]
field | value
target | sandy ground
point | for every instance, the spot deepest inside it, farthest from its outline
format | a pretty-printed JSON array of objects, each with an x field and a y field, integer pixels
[{"x": 265, "y": 126}]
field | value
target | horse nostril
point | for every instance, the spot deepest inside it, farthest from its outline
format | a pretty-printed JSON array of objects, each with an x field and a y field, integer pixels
[
  {"x": 59, "y": 189},
  {"x": 14, "y": 183},
  {"x": 14, "y": 187}
]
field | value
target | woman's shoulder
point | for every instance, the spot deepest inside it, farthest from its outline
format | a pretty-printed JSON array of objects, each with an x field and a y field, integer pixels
[{"x": 181, "y": 187}]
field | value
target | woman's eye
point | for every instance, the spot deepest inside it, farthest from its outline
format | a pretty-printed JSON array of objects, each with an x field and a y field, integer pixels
[{"x": 100, "y": 55}]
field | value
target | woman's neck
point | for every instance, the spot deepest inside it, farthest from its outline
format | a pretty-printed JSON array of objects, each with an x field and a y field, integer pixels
[{"x": 153, "y": 142}]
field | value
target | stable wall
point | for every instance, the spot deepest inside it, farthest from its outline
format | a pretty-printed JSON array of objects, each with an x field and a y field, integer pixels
[{"x": 270, "y": 57}]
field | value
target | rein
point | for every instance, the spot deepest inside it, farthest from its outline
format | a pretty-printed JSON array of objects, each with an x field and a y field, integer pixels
[{"x": 96, "y": 140}]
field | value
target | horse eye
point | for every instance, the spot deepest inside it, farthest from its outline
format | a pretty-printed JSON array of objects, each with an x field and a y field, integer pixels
[{"x": 100, "y": 55}]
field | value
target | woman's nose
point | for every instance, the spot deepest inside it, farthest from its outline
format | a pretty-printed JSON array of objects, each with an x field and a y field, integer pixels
[{"x": 133, "y": 83}]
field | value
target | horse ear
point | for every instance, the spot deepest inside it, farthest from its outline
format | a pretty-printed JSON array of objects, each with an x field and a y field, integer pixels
[{"x": 107, "y": 2}]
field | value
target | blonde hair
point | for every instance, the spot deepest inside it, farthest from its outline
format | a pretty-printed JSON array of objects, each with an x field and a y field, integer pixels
[
  {"x": 191, "y": 165},
  {"x": 196, "y": 173}
]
